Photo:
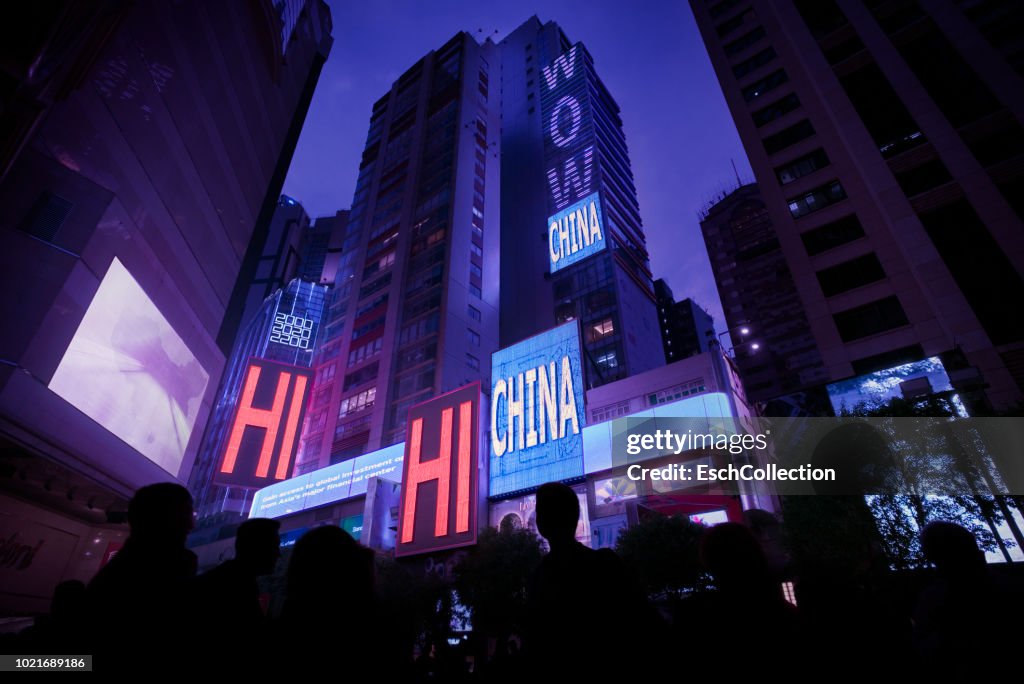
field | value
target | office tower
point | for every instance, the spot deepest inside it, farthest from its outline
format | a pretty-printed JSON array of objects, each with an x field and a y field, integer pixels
[
  {"x": 887, "y": 144},
  {"x": 163, "y": 134},
  {"x": 759, "y": 298},
  {"x": 572, "y": 244},
  {"x": 320, "y": 247},
  {"x": 279, "y": 259},
  {"x": 414, "y": 310},
  {"x": 686, "y": 328},
  {"x": 284, "y": 330}
]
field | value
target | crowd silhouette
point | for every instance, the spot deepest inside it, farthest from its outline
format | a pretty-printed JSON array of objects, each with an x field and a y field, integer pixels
[{"x": 146, "y": 609}]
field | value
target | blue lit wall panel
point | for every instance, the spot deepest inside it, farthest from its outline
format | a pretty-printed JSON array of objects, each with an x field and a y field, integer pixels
[
  {"x": 537, "y": 411},
  {"x": 576, "y": 233}
]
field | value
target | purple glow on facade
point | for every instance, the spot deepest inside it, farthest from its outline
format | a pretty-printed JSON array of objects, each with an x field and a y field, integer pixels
[{"x": 127, "y": 369}]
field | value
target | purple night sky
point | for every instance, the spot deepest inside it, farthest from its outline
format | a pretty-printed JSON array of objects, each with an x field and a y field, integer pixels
[{"x": 679, "y": 131}]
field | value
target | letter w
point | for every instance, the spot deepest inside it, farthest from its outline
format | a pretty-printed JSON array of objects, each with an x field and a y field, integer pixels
[
  {"x": 572, "y": 185},
  {"x": 566, "y": 63}
]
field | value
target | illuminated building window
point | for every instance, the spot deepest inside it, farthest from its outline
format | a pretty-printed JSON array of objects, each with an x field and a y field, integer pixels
[
  {"x": 358, "y": 402},
  {"x": 769, "y": 82},
  {"x": 326, "y": 373},
  {"x": 676, "y": 393},
  {"x": 609, "y": 412},
  {"x": 816, "y": 199},
  {"x": 365, "y": 351},
  {"x": 608, "y": 360},
  {"x": 600, "y": 330}
]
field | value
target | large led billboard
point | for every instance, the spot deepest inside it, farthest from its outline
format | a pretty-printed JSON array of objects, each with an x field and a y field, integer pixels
[
  {"x": 575, "y": 226},
  {"x": 440, "y": 480},
  {"x": 264, "y": 432},
  {"x": 128, "y": 370},
  {"x": 537, "y": 411},
  {"x": 874, "y": 389},
  {"x": 575, "y": 232},
  {"x": 328, "y": 485}
]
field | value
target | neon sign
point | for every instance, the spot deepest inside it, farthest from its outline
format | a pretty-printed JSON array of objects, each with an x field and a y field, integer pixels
[
  {"x": 439, "y": 473},
  {"x": 292, "y": 331},
  {"x": 537, "y": 411},
  {"x": 576, "y": 224},
  {"x": 266, "y": 424}
]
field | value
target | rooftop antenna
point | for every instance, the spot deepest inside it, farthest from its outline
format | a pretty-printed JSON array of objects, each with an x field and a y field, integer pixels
[{"x": 733, "y": 162}]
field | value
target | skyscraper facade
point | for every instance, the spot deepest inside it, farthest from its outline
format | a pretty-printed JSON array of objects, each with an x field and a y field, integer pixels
[
  {"x": 759, "y": 296},
  {"x": 284, "y": 329},
  {"x": 148, "y": 140},
  {"x": 414, "y": 309},
  {"x": 572, "y": 244},
  {"x": 886, "y": 139},
  {"x": 686, "y": 328}
]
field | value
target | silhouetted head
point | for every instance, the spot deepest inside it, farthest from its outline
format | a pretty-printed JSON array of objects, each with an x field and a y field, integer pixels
[
  {"x": 258, "y": 545},
  {"x": 732, "y": 555},
  {"x": 558, "y": 513},
  {"x": 327, "y": 563},
  {"x": 161, "y": 513},
  {"x": 68, "y": 599},
  {"x": 952, "y": 548},
  {"x": 861, "y": 458}
]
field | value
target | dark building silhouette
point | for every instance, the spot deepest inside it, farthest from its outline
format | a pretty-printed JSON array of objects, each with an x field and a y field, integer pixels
[
  {"x": 686, "y": 328},
  {"x": 759, "y": 298},
  {"x": 886, "y": 138},
  {"x": 143, "y": 153}
]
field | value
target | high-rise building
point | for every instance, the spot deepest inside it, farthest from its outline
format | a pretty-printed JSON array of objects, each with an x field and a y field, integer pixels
[
  {"x": 572, "y": 244},
  {"x": 686, "y": 328},
  {"x": 151, "y": 139},
  {"x": 284, "y": 329},
  {"x": 279, "y": 259},
  {"x": 759, "y": 298},
  {"x": 414, "y": 310},
  {"x": 887, "y": 143}
]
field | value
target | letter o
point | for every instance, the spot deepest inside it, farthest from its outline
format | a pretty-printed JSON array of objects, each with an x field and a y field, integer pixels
[{"x": 577, "y": 120}]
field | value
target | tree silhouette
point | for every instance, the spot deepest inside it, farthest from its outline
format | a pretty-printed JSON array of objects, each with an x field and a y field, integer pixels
[{"x": 661, "y": 553}]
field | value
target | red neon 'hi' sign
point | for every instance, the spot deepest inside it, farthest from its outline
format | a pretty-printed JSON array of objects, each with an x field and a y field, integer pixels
[
  {"x": 274, "y": 420},
  {"x": 421, "y": 467}
]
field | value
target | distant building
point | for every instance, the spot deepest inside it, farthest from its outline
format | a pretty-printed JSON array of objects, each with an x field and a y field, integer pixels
[
  {"x": 686, "y": 328},
  {"x": 888, "y": 147},
  {"x": 759, "y": 298}
]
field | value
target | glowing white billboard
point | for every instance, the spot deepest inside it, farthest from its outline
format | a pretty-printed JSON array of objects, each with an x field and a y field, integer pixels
[{"x": 127, "y": 369}]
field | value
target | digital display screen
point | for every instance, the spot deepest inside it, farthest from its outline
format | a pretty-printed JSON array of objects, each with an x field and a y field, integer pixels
[
  {"x": 328, "y": 485},
  {"x": 292, "y": 331},
  {"x": 576, "y": 233},
  {"x": 128, "y": 370},
  {"x": 537, "y": 411},
  {"x": 575, "y": 226},
  {"x": 709, "y": 518},
  {"x": 440, "y": 476},
  {"x": 875, "y": 389},
  {"x": 263, "y": 437}
]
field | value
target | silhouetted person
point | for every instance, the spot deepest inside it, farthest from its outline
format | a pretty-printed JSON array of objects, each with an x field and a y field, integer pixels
[
  {"x": 585, "y": 617},
  {"x": 967, "y": 618},
  {"x": 62, "y": 630},
  {"x": 330, "y": 603},
  {"x": 138, "y": 598},
  {"x": 227, "y": 598},
  {"x": 745, "y": 624}
]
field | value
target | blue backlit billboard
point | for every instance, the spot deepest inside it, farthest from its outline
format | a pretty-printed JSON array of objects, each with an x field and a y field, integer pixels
[
  {"x": 575, "y": 226},
  {"x": 537, "y": 411},
  {"x": 328, "y": 485},
  {"x": 575, "y": 232},
  {"x": 872, "y": 390}
]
